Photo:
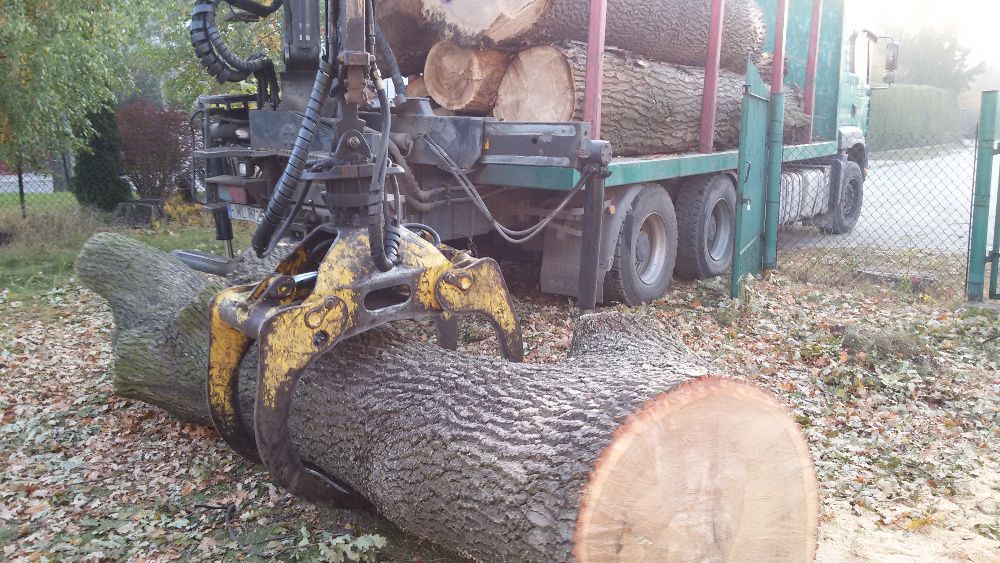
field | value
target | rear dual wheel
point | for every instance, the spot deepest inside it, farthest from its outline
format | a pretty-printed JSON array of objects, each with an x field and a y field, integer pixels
[
  {"x": 646, "y": 251},
  {"x": 706, "y": 212}
]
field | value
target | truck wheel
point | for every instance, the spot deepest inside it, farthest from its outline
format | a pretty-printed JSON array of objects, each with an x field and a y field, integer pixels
[
  {"x": 848, "y": 201},
  {"x": 646, "y": 251},
  {"x": 705, "y": 220}
]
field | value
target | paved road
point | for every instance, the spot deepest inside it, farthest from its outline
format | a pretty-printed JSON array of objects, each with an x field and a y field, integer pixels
[
  {"x": 909, "y": 204},
  {"x": 33, "y": 184}
]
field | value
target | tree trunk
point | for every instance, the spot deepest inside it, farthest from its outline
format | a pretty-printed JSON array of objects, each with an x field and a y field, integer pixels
[
  {"x": 409, "y": 34},
  {"x": 648, "y": 107},
  {"x": 674, "y": 31},
  {"x": 625, "y": 451},
  {"x": 464, "y": 79}
]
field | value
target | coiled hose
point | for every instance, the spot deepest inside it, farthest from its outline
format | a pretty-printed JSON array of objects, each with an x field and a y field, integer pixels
[{"x": 220, "y": 62}]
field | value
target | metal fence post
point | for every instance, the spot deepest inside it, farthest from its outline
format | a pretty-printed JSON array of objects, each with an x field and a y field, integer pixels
[
  {"x": 981, "y": 198},
  {"x": 20, "y": 189}
]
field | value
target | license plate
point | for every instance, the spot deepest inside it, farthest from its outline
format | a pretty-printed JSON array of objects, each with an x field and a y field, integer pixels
[{"x": 246, "y": 213}]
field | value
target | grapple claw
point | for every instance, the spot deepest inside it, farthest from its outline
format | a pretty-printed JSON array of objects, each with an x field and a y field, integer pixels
[
  {"x": 479, "y": 289},
  {"x": 326, "y": 290},
  {"x": 227, "y": 346}
]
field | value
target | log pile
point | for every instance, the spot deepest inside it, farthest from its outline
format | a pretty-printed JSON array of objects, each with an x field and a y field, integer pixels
[
  {"x": 522, "y": 60},
  {"x": 624, "y": 451}
]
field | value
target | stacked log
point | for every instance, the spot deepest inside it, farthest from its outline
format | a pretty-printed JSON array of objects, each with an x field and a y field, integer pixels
[
  {"x": 464, "y": 79},
  {"x": 521, "y": 60},
  {"x": 648, "y": 107},
  {"x": 624, "y": 451},
  {"x": 674, "y": 31}
]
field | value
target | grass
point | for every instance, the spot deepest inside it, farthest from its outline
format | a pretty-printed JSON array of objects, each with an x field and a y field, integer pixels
[
  {"x": 43, "y": 252},
  {"x": 48, "y": 202}
]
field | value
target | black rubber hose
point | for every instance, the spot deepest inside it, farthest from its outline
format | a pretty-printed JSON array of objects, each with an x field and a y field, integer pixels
[
  {"x": 286, "y": 193},
  {"x": 389, "y": 57},
  {"x": 417, "y": 198},
  {"x": 212, "y": 51},
  {"x": 384, "y": 260}
]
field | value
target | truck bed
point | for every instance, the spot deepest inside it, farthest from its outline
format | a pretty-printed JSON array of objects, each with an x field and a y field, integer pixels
[{"x": 635, "y": 170}]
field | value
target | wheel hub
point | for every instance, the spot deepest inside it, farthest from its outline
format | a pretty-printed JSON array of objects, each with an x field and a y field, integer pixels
[{"x": 651, "y": 248}]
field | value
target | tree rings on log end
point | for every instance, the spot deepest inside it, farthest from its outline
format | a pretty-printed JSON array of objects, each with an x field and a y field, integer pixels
[
  {"x": 460, "y": 78},
  {"x": 714, "y": 470},
  {"x": 539, "y": 86}
]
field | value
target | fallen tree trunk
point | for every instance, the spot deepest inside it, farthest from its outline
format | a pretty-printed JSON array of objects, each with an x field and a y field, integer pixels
[
  {"x": 674, "y": 31},
  {"x": 648, "y": 107},
  {"x": 625, "y": 451},
  {"x": 464, "y": 79}
]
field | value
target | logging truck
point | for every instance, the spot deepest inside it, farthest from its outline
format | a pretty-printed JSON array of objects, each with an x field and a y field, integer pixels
[
  {"x": 617, "y": 141},
  {"x": 695, "y": 174}
]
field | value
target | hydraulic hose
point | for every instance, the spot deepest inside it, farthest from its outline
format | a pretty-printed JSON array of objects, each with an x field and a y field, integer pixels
[
  {"x": 219, "y": 60},
  {"x": 390, "y": 60},
  {"x": 286, "y": 193},
  {"x": 383, "y": 254}
]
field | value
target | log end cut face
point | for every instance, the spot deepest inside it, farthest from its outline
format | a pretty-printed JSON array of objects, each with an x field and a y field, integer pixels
[
  {"x": 713, "y": 471},
  {"x": 497, "y": 21},
  {"x": 461, "y": 78},
  {"x": 539, "y": 86}
]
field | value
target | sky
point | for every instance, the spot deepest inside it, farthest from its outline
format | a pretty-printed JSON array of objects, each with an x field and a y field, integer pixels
[{"x": 978, "y": 21}]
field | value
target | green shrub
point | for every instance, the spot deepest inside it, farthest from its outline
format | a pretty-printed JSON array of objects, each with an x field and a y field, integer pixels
[
  {"x": 97, "y": 175},
  {"x": 909, "y": 115}
]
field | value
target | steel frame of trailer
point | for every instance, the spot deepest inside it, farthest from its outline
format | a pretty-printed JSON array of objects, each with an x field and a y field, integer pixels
[{"x": 626, "y": 171}]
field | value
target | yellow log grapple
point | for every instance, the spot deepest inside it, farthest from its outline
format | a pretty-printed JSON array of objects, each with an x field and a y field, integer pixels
[{"x": 358, "y": 268}]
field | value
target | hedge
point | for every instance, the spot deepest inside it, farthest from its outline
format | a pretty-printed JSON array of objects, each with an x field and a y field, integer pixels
[{"x": 909, "y": 115}]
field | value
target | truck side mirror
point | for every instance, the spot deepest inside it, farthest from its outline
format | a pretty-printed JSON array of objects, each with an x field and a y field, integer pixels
[{"x": 891, "y": 57}]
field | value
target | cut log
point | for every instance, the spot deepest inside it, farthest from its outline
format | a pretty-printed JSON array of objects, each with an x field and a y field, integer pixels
[
  {"x": 409, "y": 34},
  {"x": 674, "y": 31},
  {"x": 416, "y": 87},
  {"x": 464, "y": 79},
  {"x": 624, "y": 451},
  {"x": 648, "y": 107}
]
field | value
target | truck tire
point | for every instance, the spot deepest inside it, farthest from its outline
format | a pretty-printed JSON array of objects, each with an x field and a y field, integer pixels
[
  {"x": 646, "y": 251},
  {"x": 847, "y": 201},
  {"x": 706, "y": 216}
]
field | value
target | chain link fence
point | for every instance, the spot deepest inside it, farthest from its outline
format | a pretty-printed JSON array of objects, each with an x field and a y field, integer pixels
[
  {"x": 37, "y": 190},
  {"x": 913, "y": 230}
]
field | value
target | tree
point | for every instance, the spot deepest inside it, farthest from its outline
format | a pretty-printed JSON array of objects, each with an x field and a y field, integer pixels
[
  {"x": 156, "y": 147},
  {"x": 936, "y": 58},
  {"x": 97, "y": 176},
  {"x": 59, "y": 61}
]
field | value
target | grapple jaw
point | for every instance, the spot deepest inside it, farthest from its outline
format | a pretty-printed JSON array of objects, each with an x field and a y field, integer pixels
[{"x": 326, "y": 290}]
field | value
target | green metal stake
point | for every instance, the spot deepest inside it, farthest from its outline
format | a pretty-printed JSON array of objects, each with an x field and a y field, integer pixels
[
  {"x": 775, "y": 146},
  {"x": 981, "y": 199},
  {"x": 994, "y": 256}
]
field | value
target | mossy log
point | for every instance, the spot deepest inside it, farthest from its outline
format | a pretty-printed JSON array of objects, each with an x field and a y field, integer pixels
[{"x": 624, "y": 451}]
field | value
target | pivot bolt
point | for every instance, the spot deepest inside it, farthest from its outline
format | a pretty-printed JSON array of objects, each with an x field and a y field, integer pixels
[
  {"x": 460, "y": 281},
  {"x": 321, "y": 338},
  {"x": 354, "y": 142}
]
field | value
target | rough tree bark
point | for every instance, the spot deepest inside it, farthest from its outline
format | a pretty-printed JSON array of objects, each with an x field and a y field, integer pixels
[
  {"x": 408, "y": 32},
  {"x": 674, "y": 31},
  {"x": 648, "y": 107},
  {"x": 464, "y": 79},
  {"x": 625, "y": 451}
]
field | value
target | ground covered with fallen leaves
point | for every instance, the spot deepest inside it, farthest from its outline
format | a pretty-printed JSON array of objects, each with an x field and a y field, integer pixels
[{"x": 898, "y": 396}]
